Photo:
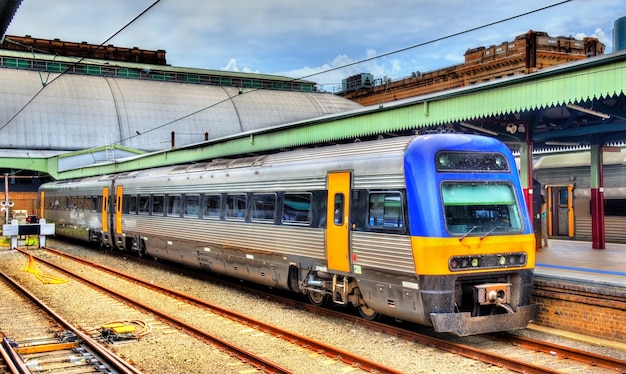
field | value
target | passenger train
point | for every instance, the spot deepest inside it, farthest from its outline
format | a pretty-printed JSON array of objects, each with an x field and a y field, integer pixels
[
  {"x": 565, "y": 180},
  {"x": 431, "y": 229}
]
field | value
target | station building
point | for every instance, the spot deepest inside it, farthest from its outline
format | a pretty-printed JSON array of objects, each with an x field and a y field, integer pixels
[{"x": 527, "y": 53}]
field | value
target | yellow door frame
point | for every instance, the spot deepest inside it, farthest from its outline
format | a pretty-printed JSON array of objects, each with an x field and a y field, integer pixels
[
  {"x": 119, "y": 194},
  {"x": 338, "y": 221},
  {"x": 42, "y": 204},
  {"x": 570, "y": 207},
  {"x": 105, "y": 210}
]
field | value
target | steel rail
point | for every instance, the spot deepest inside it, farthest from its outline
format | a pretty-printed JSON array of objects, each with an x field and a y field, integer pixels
[
  {"x": 456, "y": 348},
  {"x": 10, "y": 358},
  {"x": 244, "y": 355},
  {"x": 110, "y": 358},
  {"x": 317, "y": 346},
  {"x": 564, "y": 352}
]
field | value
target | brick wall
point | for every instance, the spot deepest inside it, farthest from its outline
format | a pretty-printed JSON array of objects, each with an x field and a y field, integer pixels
[
  {"x": 594, "y": 310},
  {"x": 21, "y": 201}
]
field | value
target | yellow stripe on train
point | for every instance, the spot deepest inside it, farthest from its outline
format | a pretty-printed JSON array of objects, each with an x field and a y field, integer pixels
[{"x": 437, "y": 256}]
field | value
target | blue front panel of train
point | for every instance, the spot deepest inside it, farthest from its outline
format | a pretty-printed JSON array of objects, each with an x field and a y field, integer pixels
[{"x": 423, "y": 181}]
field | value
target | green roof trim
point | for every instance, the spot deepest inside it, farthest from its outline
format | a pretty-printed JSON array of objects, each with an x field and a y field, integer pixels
[
  {"x": 100, "y": 149},
  {"x": 596, "y": 77}
]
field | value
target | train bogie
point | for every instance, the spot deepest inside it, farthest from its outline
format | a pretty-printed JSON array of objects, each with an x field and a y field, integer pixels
[{"x": 428, "y": 229}]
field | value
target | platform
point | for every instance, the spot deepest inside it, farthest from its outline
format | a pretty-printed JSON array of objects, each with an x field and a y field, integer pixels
[{"x": 578, "y": 261}]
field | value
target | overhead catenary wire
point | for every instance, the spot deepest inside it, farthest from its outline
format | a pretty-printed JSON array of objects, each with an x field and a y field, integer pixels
[
  {"x": 76, "y": 63},
  {"x": 294, "y": 79},
  {"x": 352, "y": 64}
]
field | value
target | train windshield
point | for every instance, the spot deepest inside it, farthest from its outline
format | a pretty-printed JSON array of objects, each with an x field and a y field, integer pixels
[{"x": 480, "y": 209}]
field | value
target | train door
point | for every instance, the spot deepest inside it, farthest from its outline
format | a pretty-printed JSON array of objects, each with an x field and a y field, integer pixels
[
  {"x": 560, "y": 203},
  {"x": 117, "y": 220},
  {"x": 337, "y": 221},
  {"x": 42, "y": 204},
  {"x": 105, "y": 216}
]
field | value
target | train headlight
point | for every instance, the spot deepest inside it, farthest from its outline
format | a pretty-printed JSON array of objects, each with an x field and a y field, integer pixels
[
  {"x": 500, "y": 162},
  {"x": 443, "y": 161},
  {"x": 495, "y": 261}
]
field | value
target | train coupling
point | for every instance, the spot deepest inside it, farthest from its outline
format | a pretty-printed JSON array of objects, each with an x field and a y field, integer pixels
[
  {"x": 492, "y": 293},
  {"x": 487, "y": 299}
]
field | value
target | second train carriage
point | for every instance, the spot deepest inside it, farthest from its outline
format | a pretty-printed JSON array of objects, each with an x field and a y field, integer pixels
[
  {"x": 565, "y": 179},
  {"x": 429, "y": 229}
]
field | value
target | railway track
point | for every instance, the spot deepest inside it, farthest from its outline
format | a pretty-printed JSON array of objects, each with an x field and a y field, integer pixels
[
  {"x": 505, "y": 351},
  {"x": 513, "y": 352},
  {"x": 316, "y": 349},
  {"x": 42, "y": 341}
]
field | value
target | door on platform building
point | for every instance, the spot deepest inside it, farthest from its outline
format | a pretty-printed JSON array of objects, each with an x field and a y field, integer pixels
[
  {"x": 560, "y": 203},
  {"x": 338, "y": 221}
]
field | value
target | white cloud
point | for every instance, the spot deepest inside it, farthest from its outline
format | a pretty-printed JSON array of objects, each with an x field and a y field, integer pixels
[{"x": 301, "y": 39}]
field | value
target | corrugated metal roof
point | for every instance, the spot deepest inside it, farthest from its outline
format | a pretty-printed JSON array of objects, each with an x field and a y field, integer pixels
[
  {"x": 590, "y": 79},
  {"x": 81, "y": 111}
]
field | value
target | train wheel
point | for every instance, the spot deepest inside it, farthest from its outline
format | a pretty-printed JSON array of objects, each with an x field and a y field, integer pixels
[
  {"x": 368, "y": 313},
  {"x": 318, "y": 298}
]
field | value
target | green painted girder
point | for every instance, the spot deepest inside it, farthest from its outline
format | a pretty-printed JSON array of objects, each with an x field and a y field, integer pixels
[
  {"x": 588, "y": 79},
  {"x": 36, "y": 164}
]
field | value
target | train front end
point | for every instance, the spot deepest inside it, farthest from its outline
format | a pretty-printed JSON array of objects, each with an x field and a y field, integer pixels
[{"x": 471, "y": 236}]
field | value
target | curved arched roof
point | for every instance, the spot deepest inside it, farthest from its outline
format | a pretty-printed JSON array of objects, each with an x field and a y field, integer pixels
[{"x": 77, "y": 112}]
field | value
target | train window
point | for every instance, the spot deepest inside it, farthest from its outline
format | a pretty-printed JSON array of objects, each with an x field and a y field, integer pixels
[
  {"x": 126, "y": 204},
  {"x": 472, "y": 208},
  {"x": 98, "y": 201},
  {"x": 174, "y": 205},
  {"x": 144, "y": 204},
  {"x": 263, "y": 207},
  {"x": 339, "y": 209},
  {"x": 89, "y": 203},
  {"x": 80, "y": 203},
  {"x": 192, "y": 205},
  {"x": 158, "y": 202},
  {"x": 471, "y": 161},
  {"x": 385, "y": 210},
  {"x": 132, "y": 205},
  {"x": 212, "y": 206},
  {"x": 236, "y": 206},
  {"x": 615, "y": 207},
  {"x": 73, "y": 203},
  {"x": 297, "y": 208},
  {"x": 563, "y": 197}
]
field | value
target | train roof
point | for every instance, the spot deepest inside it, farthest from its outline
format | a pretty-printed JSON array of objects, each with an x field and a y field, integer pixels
[{"x": 577, "y": 159}]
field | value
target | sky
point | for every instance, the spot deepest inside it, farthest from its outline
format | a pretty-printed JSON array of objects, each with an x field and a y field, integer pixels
[{"x": 322, "y": 41}]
